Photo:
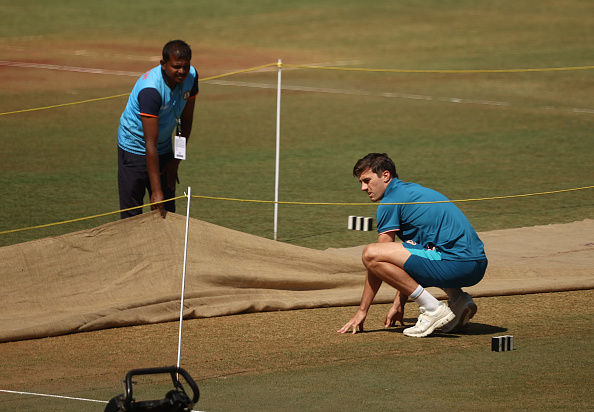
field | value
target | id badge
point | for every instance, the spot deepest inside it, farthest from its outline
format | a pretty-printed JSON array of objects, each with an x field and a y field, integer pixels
[{"x": 179, "y": 147}]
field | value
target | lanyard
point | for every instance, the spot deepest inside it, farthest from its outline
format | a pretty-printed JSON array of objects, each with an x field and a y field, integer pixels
[{"x": 175, "y": 113}]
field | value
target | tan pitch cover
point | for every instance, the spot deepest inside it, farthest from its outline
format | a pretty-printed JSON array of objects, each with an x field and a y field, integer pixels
[{"x": 129, "y": 272}]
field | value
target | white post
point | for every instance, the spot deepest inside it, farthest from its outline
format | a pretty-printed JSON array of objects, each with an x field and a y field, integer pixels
[
  {"x": 183, "y": 291},
  {"x": 277, "y": 169}
]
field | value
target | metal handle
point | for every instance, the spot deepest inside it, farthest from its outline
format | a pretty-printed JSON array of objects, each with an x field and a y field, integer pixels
[{"x": 174, "y": 371}]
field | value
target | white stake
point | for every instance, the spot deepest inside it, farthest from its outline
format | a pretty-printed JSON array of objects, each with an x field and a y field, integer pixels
[
  {"x": 183, "y": 291},
  {"x": 277, "y": 169}
]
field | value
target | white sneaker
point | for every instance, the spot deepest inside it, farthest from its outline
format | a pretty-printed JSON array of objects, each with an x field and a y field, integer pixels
[
  {"x": 464, "y": 308},
  {"x": 429, "y": 321}
]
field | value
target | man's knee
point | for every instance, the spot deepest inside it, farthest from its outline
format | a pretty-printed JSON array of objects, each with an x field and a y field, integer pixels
[
  {"x": 369, "y": 255},
  {"x": 393, "y": 253}
]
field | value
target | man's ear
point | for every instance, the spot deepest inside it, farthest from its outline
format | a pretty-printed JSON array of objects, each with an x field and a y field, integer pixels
[{"x": 386, "y": 176}]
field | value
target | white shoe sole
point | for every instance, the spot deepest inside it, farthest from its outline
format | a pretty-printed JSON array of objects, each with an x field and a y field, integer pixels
[{"x": 429, "y": 331}]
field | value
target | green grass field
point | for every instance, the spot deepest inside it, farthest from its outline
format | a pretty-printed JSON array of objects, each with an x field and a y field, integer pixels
[
  {"x": 60, "y": 164},
  {"x": 468, "y": 135}
]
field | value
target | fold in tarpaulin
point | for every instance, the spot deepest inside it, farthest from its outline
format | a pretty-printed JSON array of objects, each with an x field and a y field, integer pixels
[{"x": 129, "y": 272}]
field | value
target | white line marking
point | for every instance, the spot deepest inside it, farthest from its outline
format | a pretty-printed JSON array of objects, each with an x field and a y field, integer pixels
[
  {"x": 58, "y": 396},
  {"x": 52, "y": 396},
  {"x": 298, "y": 88},
  {"x": 69, "y": 68},
  {"x": 391, "y": 95}
]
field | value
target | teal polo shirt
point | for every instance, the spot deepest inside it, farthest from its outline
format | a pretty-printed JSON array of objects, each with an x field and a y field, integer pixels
[
  {"x": 151, "y": 96},
  {"x": 439, "y": 225}
]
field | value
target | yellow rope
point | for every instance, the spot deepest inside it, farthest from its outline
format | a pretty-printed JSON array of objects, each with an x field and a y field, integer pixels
[
  {"x": 239, "y": 71},
  {"x": 87, "y": 217},
  {"x": 298, "y": 203},
  {"x": 550, "y": 69},
  {"x": 64, "y": 104},
  {"x": 127, "y": 94},
  {"x": 405, "y": 203},
  {"x": 278, "y": 64},
  {"x": 301, "y": 66}
]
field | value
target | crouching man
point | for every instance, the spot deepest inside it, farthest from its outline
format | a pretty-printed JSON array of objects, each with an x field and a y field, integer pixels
[{"x": 440, "y": 248}]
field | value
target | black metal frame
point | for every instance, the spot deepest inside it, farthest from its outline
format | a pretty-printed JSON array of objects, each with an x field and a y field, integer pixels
[{"x": 176, "y": 400}]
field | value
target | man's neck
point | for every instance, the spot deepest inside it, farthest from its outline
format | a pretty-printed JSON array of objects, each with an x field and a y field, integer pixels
[{"x": 168, "y": 80}]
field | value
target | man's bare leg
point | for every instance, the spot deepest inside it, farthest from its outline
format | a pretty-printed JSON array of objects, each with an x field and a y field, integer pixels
[{"x": 386, "y": 262}]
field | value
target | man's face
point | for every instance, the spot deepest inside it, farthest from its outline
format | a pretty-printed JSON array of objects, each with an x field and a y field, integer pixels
[
  {"x": 374, "y": 185},
  {"x": 176, "y": 70}
]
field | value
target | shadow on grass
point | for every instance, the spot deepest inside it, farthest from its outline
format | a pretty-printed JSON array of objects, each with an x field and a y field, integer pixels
[{"x": 472, "y": 329}]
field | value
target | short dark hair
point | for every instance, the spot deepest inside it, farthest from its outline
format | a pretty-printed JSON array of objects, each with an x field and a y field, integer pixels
[
  {"x": 377, "y": 162},
  {"x": 178, "y": 49}
]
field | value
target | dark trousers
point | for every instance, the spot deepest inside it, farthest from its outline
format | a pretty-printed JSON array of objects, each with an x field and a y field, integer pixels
[{"x": 133, "y": 182}]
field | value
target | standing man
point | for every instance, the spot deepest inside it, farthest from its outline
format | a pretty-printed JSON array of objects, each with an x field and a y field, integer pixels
[
  {"x": 161, "y": 101},
  {"x": 440, "y": 249}
]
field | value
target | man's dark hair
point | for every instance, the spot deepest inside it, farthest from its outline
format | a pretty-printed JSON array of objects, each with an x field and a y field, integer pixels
[
  {"x": 377, "y": 162},
  {"x": 178, "y": 49}
]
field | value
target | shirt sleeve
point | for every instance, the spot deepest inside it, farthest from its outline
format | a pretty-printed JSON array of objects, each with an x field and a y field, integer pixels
[
  {"x": 149, "y": 102},
  {"x": 388, "y": 218}
]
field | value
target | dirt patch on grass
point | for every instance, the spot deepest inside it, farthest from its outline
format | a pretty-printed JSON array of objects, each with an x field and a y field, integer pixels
[{"x": 141, "y": 57}]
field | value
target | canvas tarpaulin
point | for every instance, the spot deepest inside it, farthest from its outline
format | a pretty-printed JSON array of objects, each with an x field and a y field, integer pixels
[{"x": 129, "y": 272}]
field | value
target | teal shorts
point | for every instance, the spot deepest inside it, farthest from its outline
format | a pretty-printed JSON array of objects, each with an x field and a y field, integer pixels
[{"x": 428, "y": 269}]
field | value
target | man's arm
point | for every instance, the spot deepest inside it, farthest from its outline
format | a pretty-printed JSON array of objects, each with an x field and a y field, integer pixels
[
  {"x": 396, "y": 311},
  {"x": 150, "y": 126},
  {"x": 187, "y": 117},
  {"x": 386, "y": 237},
  {"x": 372, "y": 285}
]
